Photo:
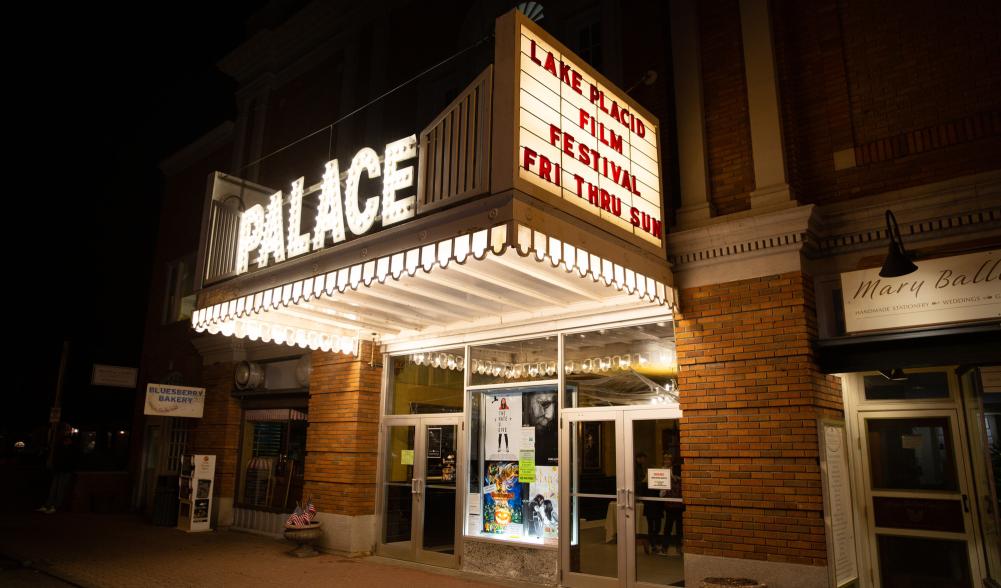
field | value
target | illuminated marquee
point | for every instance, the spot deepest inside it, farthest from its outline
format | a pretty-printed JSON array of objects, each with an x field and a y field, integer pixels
[
  {"x": 264, "y": 229},
  {"x": 580, "y": 140}
]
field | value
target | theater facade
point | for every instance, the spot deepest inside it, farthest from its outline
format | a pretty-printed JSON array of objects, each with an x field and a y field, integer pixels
[{"x": 479, "y": 344}]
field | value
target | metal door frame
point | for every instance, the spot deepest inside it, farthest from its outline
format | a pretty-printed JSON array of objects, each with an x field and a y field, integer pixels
[
  {"x": 623, "y": 417},
  {"x": 413, "y": 550},
  {"x": 962, "y": 494}
]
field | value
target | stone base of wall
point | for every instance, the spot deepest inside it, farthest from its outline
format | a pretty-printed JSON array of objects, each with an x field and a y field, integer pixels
[
  {"x": 772, "y": 574},
  {"x": 347, "y": 535},
  {"x": 541, "y": 566},
  {"x": 222, "y": 512}
]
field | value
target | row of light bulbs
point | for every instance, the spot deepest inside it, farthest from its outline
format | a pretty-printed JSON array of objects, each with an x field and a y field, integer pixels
[{"x": 533, "y": 369}]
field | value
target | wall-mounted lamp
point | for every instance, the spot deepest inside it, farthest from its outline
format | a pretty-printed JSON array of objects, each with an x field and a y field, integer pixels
[{"x": 897, "y": 262}]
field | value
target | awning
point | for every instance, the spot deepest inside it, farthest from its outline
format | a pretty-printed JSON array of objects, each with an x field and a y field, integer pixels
[{"x": 501, "y": 275}]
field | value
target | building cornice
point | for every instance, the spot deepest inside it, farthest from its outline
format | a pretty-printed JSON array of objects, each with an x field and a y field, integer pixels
[
  {"x": 832, "y": 238},
  {"x": 197, "y": 150}
]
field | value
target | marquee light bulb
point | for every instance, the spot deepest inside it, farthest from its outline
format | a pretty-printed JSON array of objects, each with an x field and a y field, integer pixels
[
  {"x": 329, "y": 213},
  {"x": 273, "y": 238},
  {"x": 251, "y": 232},
  {"x": 393, "y": 179},
  {"x": 297, "y": 243},
  {"x": 360, "y": 221}
]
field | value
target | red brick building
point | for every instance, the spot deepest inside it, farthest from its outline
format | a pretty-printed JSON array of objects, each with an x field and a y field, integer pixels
[{"x": 764, "y": 406}]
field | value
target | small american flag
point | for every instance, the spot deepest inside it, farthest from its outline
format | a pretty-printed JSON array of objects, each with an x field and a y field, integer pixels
[
  {"x": 297, "y": 519},
  {"x": 310, "y": 511}
]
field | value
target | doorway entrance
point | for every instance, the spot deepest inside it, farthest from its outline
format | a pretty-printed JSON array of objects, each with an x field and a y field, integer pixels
[
  {"x": 418, "y": 501},
  {"x": 622, "y": 496}
]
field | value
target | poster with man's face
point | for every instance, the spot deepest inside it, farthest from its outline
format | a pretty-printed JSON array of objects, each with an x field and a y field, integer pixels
[{"x": 541, "y": 412}]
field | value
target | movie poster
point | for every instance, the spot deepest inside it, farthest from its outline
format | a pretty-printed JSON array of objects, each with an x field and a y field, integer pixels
[
  {"x": 541, "y": 412},
  {"x": 542, "y": 504},
  {"x": 502, "y": 433},
  {"x": 502, "y": 509}
]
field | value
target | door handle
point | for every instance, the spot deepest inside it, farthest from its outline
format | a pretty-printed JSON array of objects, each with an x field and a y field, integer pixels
[
  {"x": 619, "y": 502},
  {"x": 966, "y": 503},
  {"x": 413, "y": 485},
  {"x": 629, "y": 499}
]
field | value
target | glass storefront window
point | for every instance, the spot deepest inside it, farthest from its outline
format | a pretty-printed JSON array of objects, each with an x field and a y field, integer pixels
[
  {"x": 531, "y": 360},
  {"x": 621, "y": 366},
  {"x": 513, "y": 466},
  {"x": 272, "y": 458},
  {"x": 426, "y": 382}
]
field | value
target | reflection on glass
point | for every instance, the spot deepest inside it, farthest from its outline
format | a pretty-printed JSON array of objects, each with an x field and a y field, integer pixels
[
  {"x": 594, "y": 517},
  {"x": 911, "y": 454},
  {"x": 622, "y": 366},
  {"x": 439, "y": 488},
  {"x": 272, "y": 457},
  {"x": 399, "y": 477},
  {"x": 531, "y": 360},
  {"x": 918, "y": 385},
  {"x": 659, "y": 510},
  {"x": 910, "y": 561},
  {"x": 426, "y": 382}
]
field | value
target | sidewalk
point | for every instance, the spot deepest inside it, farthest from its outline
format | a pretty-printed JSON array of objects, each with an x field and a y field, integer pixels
[{"x": 120, "y": 550}]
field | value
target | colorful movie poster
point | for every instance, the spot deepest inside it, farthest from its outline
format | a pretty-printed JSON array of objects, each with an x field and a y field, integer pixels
[
  {"x": 502, "y": 433},
  {"x": 542, "y": 504},
  {"x": 502, "y": 509}
]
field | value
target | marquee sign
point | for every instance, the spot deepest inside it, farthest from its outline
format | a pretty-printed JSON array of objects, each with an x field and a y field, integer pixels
[
  {"x": 576, "y": 138},
  {"x": 579, "y": 139}
]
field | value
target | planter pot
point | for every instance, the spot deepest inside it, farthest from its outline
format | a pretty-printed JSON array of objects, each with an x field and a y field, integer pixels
[
  {"x": 305, "y": 537},
  {"x": 731, "y": 583}
]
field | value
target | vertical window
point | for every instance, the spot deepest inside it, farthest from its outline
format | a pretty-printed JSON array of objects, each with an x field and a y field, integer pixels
[{"x": 272, "y": 458}]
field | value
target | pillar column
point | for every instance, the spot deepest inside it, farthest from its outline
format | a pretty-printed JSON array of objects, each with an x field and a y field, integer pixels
[
  {"x": 689, "y": 110},
  {"x": 771, "y": 185}
]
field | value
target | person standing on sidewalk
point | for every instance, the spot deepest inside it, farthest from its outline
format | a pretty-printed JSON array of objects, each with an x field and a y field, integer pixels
[{"x": 63, "y": 465}]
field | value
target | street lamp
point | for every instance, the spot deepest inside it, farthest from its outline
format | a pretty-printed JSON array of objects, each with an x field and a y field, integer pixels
[{"x": 897, "y": 262}]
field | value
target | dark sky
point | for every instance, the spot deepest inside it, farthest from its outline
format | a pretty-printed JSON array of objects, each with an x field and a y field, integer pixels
[{"x": 100, "y": 96}]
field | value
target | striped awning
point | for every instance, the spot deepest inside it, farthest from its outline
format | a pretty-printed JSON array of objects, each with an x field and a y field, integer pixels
[{"x": 501, "y": 275}]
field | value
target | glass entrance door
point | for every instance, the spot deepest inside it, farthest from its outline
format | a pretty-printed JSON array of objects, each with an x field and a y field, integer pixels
[
  {"x": 920, "y": 523},
  {"x": 418, "y": 499},
  {"x": 623, "y": 498}
]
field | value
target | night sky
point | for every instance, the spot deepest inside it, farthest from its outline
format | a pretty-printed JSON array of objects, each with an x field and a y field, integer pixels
[{"x": 100, "y": 96}]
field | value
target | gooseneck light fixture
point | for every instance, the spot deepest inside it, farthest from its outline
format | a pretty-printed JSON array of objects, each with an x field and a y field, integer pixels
[{"x": 897, "y": 262}]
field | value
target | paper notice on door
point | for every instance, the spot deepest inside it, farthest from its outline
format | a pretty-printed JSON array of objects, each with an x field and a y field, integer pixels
[
  {"x": 659, "y": 478},
  {"x": 490, "y": 489},
  {"x": 473, "y": 504},
  {"x": 526, "y": 466},
  {"x": 407, "y": 457},
  {"x": 528, "y": 439}
]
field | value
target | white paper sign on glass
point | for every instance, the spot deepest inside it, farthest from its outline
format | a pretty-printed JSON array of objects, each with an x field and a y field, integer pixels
[
  {"x": 502, "y": 431},
  {"x": 659, "y": 478},
  {"x": 947, "y": 290}
]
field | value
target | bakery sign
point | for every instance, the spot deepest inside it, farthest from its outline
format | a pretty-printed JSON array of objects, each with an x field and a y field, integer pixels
[
  {"x": 174, "y": 401},
  {"x": 580, "y": 138},
  {"x": 946, "y": 290}
]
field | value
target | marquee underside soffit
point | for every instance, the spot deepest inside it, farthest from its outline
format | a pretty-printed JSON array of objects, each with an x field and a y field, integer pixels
[{"x": 508, "y": 274}]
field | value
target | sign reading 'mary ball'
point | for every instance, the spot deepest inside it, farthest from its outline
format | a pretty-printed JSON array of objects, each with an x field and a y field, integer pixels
[
  {"x": 955, "y": 289},
  {"x": 582, "y": 140}
]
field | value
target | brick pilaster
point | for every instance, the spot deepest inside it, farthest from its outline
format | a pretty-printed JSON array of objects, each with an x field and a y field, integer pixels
[
  {"x": 751, "y": 394},
  {"x": 342, "y": 440}
]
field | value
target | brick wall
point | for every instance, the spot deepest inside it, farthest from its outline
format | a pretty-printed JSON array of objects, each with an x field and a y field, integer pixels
[
  {"x": 218, "y": 431},
  {"x": 912, "y": 88},
  {"x": 724, "y": 89},
  {"x": 342, "y": 441},
  {"x": 751, "y": 394}
]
